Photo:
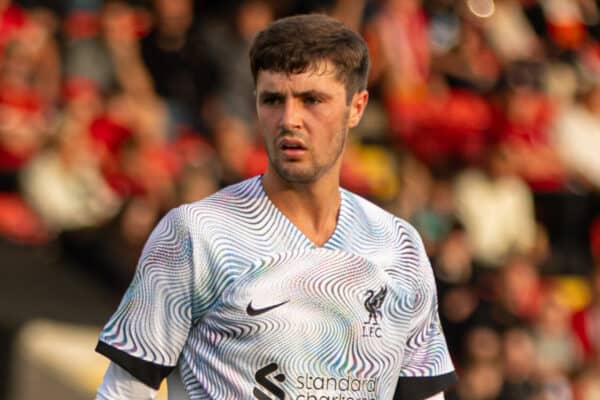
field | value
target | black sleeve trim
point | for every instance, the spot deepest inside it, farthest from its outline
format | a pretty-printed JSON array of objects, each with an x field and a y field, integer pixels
[
  {"x": 419, "y": 388},
  {"x": 149, "y": 373}
]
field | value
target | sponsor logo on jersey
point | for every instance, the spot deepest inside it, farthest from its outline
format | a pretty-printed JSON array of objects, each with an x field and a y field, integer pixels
[
  {"x": 253, "y": 311},
  {"x": 336, "y": 388},
  {"x": 262, "y": 378},
  {"x": 373, "y": 302},
  {"x": 311, "y": 387}
]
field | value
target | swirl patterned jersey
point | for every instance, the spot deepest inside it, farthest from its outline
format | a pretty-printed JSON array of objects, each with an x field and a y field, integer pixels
[{"x": 231, "y": 294}]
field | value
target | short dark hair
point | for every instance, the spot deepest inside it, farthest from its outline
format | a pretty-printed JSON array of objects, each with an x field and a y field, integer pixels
[{"x": 295, "y": 44}]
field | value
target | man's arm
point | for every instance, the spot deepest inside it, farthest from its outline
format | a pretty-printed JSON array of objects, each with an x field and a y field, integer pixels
[
  {"x": 147, "y": 332},
  {"x": 119, "y": 384},
  {"x": 439, "y": 396},
  {"x": 427, "y": 368}
]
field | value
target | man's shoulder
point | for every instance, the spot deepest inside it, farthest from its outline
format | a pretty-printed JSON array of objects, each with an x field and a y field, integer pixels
[
  {"x": 373, "y": 220},
  {"x": 370, "y": 212},
  {"x": 232, "y": 201},
  {"x": 239, "y": 195},
  {"x": 387, "y": 234}
]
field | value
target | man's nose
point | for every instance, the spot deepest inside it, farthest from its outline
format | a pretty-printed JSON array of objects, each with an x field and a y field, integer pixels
[{"x": 291, "y": 116}]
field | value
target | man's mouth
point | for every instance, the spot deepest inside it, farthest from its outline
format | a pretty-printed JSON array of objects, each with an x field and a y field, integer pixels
[{"x": 292, "y": 147}]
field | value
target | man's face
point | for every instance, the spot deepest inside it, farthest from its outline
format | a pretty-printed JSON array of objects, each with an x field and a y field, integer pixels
[{"x": 305, "y": 120}]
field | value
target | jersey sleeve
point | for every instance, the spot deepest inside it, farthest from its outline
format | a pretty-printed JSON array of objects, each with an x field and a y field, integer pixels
[
  {"x": 427, "y": 368},
  {"x": 150, "y": 326},
  {"x": 119, "y": 384}
]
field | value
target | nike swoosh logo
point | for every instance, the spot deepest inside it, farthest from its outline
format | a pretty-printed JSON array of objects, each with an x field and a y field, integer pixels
[{"x": 257, "y": 311}]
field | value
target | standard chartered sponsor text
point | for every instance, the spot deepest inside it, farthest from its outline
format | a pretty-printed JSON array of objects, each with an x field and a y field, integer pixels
[{"x": 335, "y": 388}]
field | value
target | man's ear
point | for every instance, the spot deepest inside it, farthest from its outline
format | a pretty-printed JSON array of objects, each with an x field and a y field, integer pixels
[{"x": 357, "y": 107}]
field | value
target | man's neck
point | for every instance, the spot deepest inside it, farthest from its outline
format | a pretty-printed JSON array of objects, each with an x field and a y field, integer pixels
[{"x": 313, "y": 208}]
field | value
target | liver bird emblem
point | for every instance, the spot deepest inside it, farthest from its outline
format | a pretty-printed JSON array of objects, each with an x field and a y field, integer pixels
[{"x": 373, "y": 304}]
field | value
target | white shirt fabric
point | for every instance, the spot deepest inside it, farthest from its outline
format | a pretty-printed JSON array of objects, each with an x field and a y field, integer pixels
[{"x": 231, "y": 294}]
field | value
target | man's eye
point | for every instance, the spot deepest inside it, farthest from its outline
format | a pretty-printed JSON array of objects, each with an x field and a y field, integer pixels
[
  {"x": 312, "y": 100},
  {"x": 271, "y": 100}
]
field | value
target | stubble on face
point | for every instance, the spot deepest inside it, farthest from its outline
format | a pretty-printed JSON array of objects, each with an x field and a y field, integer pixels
[
  {"x": 320, "y": 161},
  {"x": 308, "y": 110}
]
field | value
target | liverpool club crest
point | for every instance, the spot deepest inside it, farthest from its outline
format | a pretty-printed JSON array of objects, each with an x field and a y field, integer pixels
[{"x": 373, "y": 303}]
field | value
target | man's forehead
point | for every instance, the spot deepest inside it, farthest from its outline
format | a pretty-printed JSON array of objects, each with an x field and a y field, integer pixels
[{"x": 322, "y": 75}]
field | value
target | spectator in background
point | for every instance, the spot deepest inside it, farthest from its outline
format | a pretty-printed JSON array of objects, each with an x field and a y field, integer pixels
[
  {"x": 229, "y": 48},
  {"x": 521, "y": 291},
  {"x": 415, "y": 185},
  {"x": 399, "y": 31},
  {"x": 468, "y": 61},
  {"x": 523, "y": 126},
  {"x": 236, "y": 146},
  {"x": 39, "y": 63},
  {"x": 586, "y": 323},
  {"x": 86, "y": 54},
  {"x": 12, "y": 19},
  {"x": 557, "y": 352},
  {"x": 437, "y": 115},
  {"x": 436, "y": 216},
  {"x": 28, "y": 82},
  {"x": 478, "y": 381},
  {"x": 577, "y": 132},
  {"x": 455, "y": 272},
  {"x": 496, "y": 208},
  {"x": 518, "y": 361},
  {"x": 64, "y": 182},
  {"x": 481, "y": 378},
  {"x": 566, "y": 21},
  {"x": 482, "y": 344},
  {"x": 175, "y": 53},
  {"x": 510, "y": 33},
  {"x": 28, "y": 85},
  {"x": 23, "y": 128},
  {"x": 586, "y": 385},
  {"x": 233, "y": 109}
]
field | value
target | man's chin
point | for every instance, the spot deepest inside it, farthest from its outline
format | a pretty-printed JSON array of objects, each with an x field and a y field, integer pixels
[{"x": 297, "y": 175}]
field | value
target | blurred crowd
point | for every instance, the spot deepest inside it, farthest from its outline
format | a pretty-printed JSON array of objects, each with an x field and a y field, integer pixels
[{"x": 483, "y": 130}]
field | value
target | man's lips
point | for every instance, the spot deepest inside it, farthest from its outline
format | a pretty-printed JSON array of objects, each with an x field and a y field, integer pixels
[{"x": 291, "y": 146}]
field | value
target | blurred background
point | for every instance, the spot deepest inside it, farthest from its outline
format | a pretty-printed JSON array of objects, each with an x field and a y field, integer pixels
[{"x": 483, "y": 130}]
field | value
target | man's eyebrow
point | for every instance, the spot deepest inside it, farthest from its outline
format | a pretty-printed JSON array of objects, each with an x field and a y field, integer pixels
[
  {"x": 268, "y": 93},
  {"x": 312, "y": 93},
  {"x": 307, "y": 93}
]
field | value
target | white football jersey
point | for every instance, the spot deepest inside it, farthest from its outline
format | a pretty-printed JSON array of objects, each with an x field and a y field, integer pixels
[{"x": 245, "y": 306}]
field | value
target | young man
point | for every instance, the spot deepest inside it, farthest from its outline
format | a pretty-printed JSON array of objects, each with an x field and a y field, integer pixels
[{"x": 285, "y": 286}]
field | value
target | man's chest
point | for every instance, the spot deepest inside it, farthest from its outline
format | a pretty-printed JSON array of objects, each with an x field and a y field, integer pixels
[{"x": 313, "y": 310}]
